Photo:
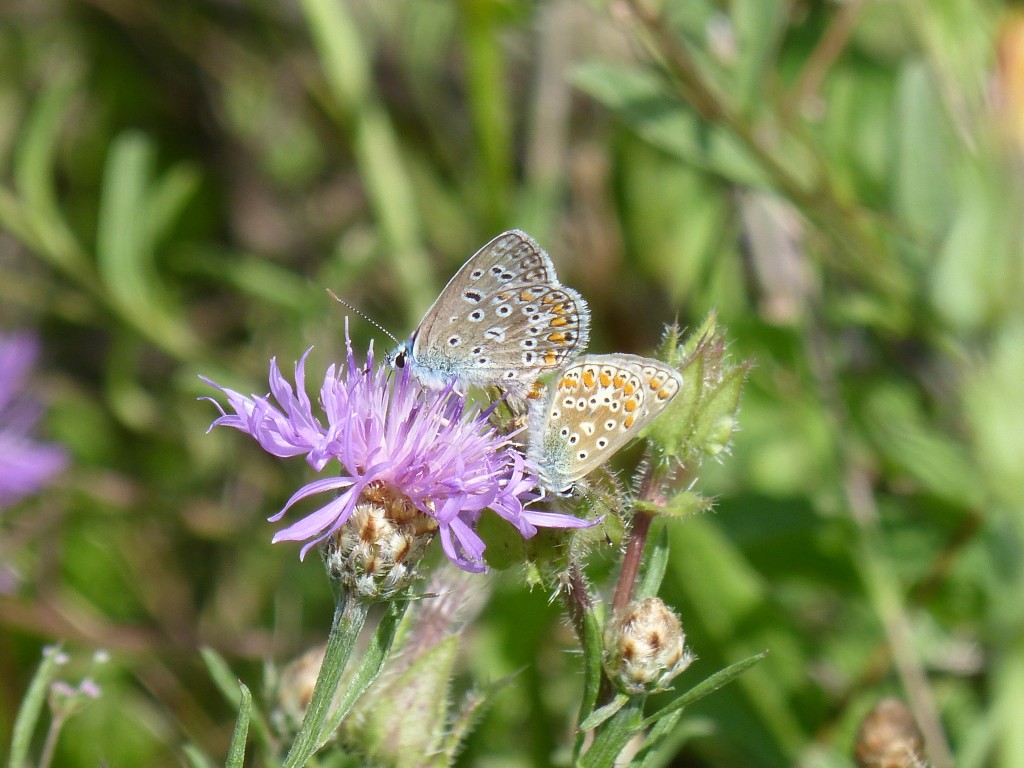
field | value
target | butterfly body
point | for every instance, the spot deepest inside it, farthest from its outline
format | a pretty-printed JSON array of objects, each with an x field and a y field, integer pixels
[
  {"x": 502, "y": 320},
  {"x": 593, "y": 408}
]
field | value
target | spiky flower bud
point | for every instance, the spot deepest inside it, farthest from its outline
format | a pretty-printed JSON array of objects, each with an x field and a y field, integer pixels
[
  {"x": 376, "y": 553},
  {"x": 888, "y": 738},
  {"x": 645, "y": 648}
]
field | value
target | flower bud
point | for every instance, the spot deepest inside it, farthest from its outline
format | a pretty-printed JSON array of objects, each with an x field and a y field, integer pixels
[
  {"x": 294, "y": 690},
  {"x": 645, "y": 648},
  {"x": 888, "y": 738},
  {"x": 376, "y": 551}
]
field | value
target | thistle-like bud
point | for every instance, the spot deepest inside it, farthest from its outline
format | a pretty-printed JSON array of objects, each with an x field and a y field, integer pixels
[
  {"x": 375, "y": 553},
  {"x": 645, "y": 648},
  {"x": 888, "y": 738},
  {"x": 701, "y": 419}
]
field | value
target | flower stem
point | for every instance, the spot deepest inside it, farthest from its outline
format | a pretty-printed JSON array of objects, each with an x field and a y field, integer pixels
[
  {"x": 50, "y": 745},
  {"x": 349, "y": 618},
  {"x": 650, "y": 489}
]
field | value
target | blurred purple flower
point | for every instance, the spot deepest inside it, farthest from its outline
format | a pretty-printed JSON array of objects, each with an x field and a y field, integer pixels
[
  {"x": 25, "y": 465},
  {"x": 392, "y": 436}
]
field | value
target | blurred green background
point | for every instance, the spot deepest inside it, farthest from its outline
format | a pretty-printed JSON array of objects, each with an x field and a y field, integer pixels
[{"x": 180, "y": 182}]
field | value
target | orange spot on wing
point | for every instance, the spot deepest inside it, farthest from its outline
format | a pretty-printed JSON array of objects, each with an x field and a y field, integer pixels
[
  {"x": 588, "y": 379},
  {"x": 630, "y": 405},
  {"x": 629, "y": 421},
  {"x": 527, "y": 295},
  {"x": 628, "y": 389},
  {"x": 558, "y": 337},
  {"x": 550, "y": 358},
  {"x": 619, "y": 381},
  {"x": 605, "y": 379},
  {"x": 559, "y": 321}
]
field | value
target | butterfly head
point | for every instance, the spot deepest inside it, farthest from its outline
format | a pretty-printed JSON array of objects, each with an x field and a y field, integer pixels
[{"x": 401, "y": 356}]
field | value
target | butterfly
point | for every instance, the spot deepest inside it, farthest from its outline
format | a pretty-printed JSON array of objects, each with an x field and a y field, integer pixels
[
  {"x": 593, "y": 408},
  {"x": 502, "y": 320}
]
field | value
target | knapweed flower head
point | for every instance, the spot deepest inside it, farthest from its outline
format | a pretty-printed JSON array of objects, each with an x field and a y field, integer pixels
[
  {"x": 26, "y": 465},
  {"x": 421, "y": 456},
  {"x": 645, "y": 647}
]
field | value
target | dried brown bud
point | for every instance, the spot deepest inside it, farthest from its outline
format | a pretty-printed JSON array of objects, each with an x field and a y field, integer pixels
[
  {"x": 646, "y": 647},
  {"x": 888, "y": 738}
]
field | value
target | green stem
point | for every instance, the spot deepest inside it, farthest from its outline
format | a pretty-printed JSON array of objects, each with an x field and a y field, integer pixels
[
  {"x": 50, "y": 745},
  {"x": 349, "y": 618}
]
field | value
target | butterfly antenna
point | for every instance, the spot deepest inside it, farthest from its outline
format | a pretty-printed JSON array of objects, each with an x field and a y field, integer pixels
[{"x": 363, "y": 315}]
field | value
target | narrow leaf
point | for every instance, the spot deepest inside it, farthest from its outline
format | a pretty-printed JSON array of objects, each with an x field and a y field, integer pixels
[
  {"x": 34, "y": 181},
  {"x": 639, "y": 98},
  {"x": 125, "y": 242},
  {"x": 32, "y": 705},
  {"x": 196, "y": 757},
  {"x": 599, "y": 716},
  {"x": 370, "y": 666},
  {"x": 709, "y": 686},
  {"x": 236, "y": 753},
  {"x": 614, "y": 736},
  {"x": 225, "y": 680},
  {"x": 656, "y": 563},
  {"x": 593, "y": 647},
  {"x": 232, "y": 690}
]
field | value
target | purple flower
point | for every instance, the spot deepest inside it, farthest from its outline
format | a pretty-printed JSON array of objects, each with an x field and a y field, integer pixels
[
  {"x": 392, "y": 438},
  {"x": 25, "y": 465}
]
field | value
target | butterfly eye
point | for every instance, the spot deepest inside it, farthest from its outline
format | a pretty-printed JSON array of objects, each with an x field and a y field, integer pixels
[{"x": 400, "y": 360}]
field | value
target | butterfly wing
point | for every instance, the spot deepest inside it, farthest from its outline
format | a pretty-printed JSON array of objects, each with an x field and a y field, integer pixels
[
  {"x": 597, "y": 405},
  {"x": 502, "y": 319}
]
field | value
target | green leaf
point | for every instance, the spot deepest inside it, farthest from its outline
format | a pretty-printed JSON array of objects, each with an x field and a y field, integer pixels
[
  {"x": 681, "y": 505},
  {"x": 225, "y": 680},
  {"x": 34, "y": 180},
  {"x": 709, "y": 686},
  {"x": 907, "y": 437},
  {"x": 759, "y": 26},
  {"x": 668, "y": 736},
  {"x": 370, "y": 666},
  {"x": 599, "y": 716},
  {"x": 196, "y": 757},
  {"x": 167, "y": 199},
  {"x": 655, "y": 565},
  {"x": 593, "y": 649},
  {"x": 32, "y": 706},
  {"x": 378, "y": 153},
  {"x": 233, "y": 691},
  {"x": 236, "y": 752},
  {"x": 638, "y": 97},
  {"x": 614, "y": 735},
  {"x": 716, "y": 417},
  {"x": 131, "y": 216},
  {"x": 921, "y": 184}
]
